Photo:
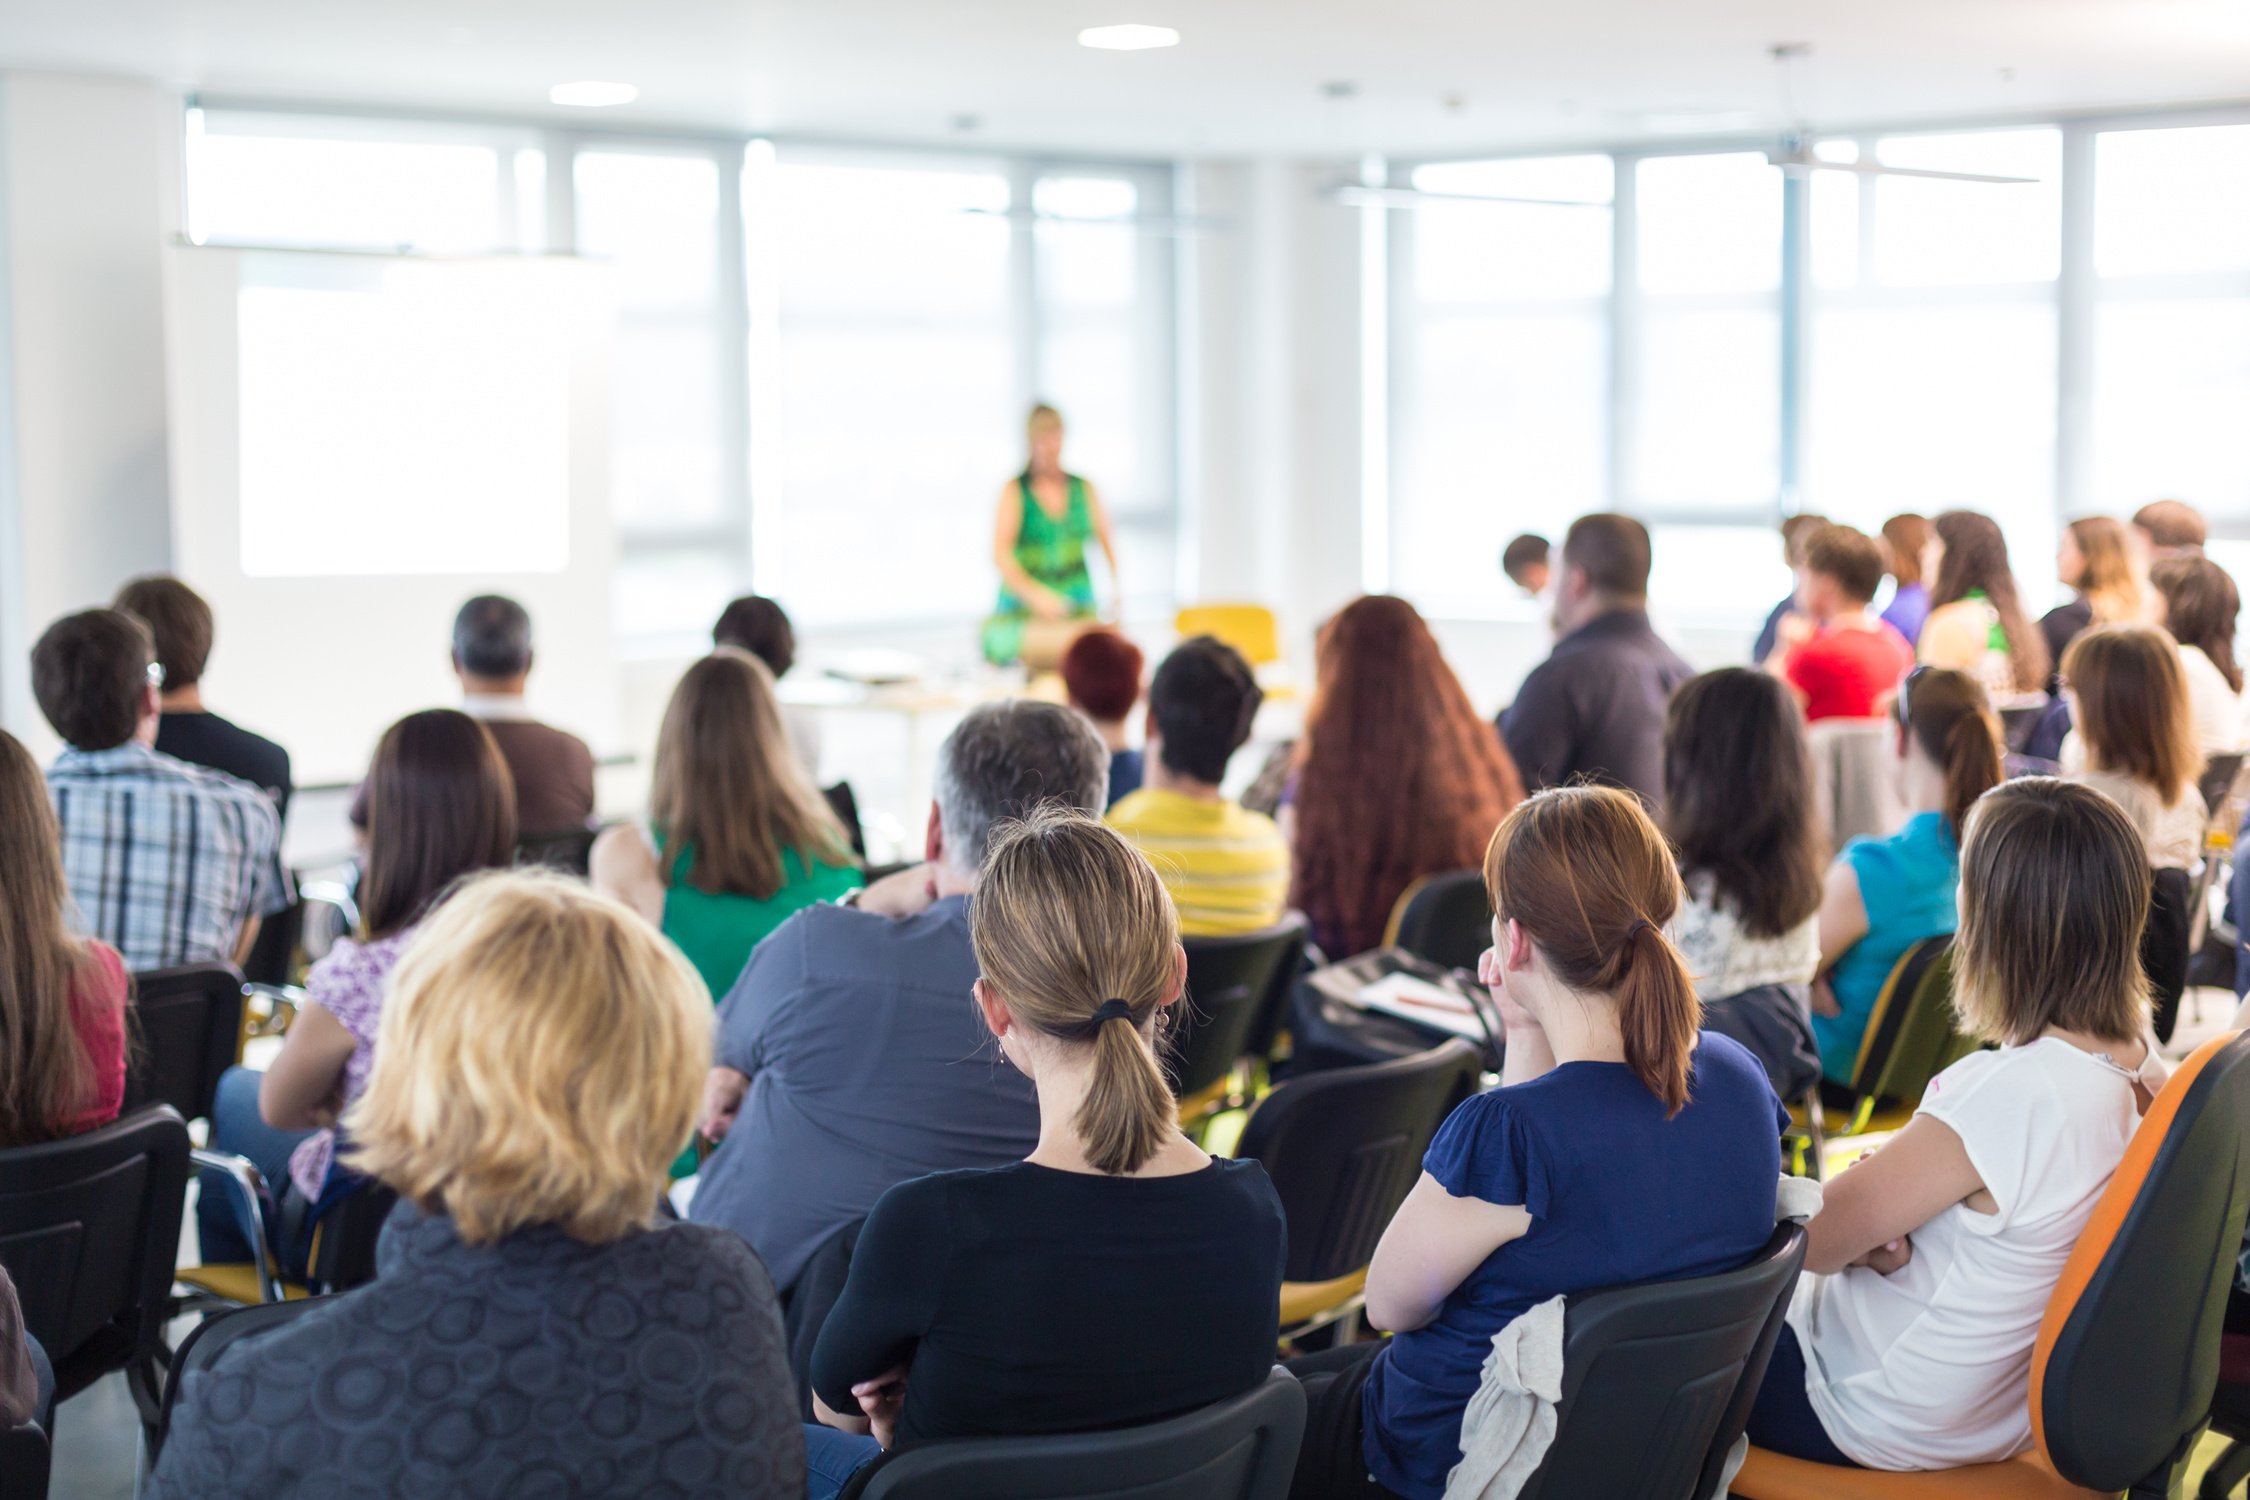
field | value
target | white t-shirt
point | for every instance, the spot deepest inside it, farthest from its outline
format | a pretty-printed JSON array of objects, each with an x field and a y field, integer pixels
[
  {"x": 1930, "y": 1367},
  {"x": 2172, "y": 835},
  {"x": 2220, "y": 725}
]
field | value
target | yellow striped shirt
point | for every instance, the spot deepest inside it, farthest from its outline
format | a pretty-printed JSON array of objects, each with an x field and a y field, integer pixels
[{"x": 1226, "y": 867}]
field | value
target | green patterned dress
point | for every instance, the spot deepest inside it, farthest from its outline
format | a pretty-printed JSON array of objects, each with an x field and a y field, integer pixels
[{"x": 1053, "y": 552}]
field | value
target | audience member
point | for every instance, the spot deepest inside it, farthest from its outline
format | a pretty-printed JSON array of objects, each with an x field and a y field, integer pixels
[
  {"x": 440, "y": 807},
  {"x": 737, "y": 836},
  {"x": 529, "y": 1329},
  {"x": 167, "y": 863},
  {"x": 1226, "y": 867},
  {"x": 1524, "y": 560},
  {"x": 2095, "y": 560},
  {"x": 2129, "y": 702},
  {"x": 62, "y": 998},
  {"x": 2199, "y": 603},
  {"x": 1396, "y": 776},
  {"x": 1795, "y": 530},
  {"x": 758, "y": 625},
  {"x": 1905, "y": 536},
  {"x": 1115, "y": 1276},
  {"x": 2169, "y": 528},
  {"x": 1594, "y": 709},
  {"x": 1622, "y": 1146},
  {"x": 1102, "y": 674},
  {"x": 847, "y": 1061},
  {"x": 1882, "y": 896},
  {"x": 1909, "y": 1342},
  {"x": 181, "y": 623},
  {"x": 553, "y": 769},
  {"x": 1841, "y": 658},
  {"x": 1976, "y": 623},
  {"x": 1739, "y": 809}
]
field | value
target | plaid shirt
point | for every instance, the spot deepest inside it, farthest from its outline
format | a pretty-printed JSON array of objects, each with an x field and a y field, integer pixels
[{"x": 165, "y": 860}]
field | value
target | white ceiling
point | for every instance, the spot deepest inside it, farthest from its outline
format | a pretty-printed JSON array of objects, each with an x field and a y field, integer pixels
[{"x": 1432, "y": 76}]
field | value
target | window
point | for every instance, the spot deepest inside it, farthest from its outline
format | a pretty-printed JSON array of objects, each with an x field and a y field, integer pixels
[{"x": 1500, "y": 369}]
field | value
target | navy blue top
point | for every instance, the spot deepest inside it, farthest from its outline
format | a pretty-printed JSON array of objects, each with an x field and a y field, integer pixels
[
  {"x": 1124, "y": 774},
  {"x": 1617, "y": 1194}
]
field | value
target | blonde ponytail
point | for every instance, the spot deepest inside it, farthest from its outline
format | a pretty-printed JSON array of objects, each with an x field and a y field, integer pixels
[{"x": 1074, "y": 929}]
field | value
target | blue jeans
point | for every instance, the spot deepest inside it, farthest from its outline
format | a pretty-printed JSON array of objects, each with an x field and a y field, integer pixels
[
  {"x": 1783, "y": 1421},
  {"x": 222, "y": 1226},
  {"x": 832, "y": 1458}
]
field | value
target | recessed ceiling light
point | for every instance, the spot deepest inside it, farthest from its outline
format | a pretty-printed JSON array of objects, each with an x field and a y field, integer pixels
[
  {"x": 1129, "y": 38},
  {"x": 592, "y": 93}
]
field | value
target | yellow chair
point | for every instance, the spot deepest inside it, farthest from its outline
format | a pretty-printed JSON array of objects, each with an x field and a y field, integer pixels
[{"x": 1249, "y": 628}]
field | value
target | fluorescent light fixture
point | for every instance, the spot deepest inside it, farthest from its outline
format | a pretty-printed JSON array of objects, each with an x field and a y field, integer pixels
[
  {"x": 592, "y": 93},
  {"x": 1129, "y": 38}
]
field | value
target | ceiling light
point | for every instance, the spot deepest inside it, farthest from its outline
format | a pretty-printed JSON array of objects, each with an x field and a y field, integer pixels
[
  {"x": 1130, "y": 38},
  {"x": 592, "y": 93}
]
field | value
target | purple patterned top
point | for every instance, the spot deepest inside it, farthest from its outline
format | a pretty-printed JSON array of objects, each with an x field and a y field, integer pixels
[{"x": 349, "y": 984}]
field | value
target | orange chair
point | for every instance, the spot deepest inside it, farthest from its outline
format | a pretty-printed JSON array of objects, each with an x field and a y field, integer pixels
[{"x": 2127, "y": 1357}]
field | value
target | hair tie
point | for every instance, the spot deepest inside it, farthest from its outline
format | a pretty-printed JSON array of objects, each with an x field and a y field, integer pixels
[
  {"x": 1108, "y": 1011},
  {"x": 1634, "y": 931}
]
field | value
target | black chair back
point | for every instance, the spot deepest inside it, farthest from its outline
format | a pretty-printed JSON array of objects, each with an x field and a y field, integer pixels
[
  {"x": 570, "y": 850},
  {"x": 1242, "y": 1449},
  {"x": 1443, "y": 918},
  {"x": 845, "y": 805},
  {"x": 348, "y": 1225},
  {"x": 1231, "y": 981},
  {"x": 23, "y": 1463},
  {"x": 1658, "y": 1379},
  {"x": 188, "y": 1026},
  {"x": 2217, "y": 779},
  {"x": 89, "y": 1232},
  {"x": 1344, "y": 1146},
  {"x": 2164, "y": 946},
  {"x": 211, "y": 1338}
]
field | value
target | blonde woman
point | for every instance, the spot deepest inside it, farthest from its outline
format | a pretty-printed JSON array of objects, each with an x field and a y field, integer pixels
[
  {"x": 737, "y": 836},
  {"x": 2135, "y": 737},
  {"x": 531, "y": 1331},
  {"x": 2096, "y": 562},
  {"x": 1115, "y": 1276}
]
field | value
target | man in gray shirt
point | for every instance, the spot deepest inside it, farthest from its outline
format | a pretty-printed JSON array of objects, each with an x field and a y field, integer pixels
[{"x": 849, "y": 1054}]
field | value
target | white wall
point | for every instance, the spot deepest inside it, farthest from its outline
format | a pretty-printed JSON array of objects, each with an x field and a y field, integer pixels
[{"x": 89, "y": 188}]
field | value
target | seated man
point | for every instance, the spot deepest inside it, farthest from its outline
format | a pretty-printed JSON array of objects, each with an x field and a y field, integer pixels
[
  {"x": 848, "y": 1056},
  {"x": 167, "y": 863},
  {"x": 1226, "y": 867},
  {"x": 1842, "y": 658},
  {"x": 1795, "y": 530},
  {"x": 181, "y": 623},
  {"x": 1524, "y": 560},
  {"x": 1594, "y": 709}
]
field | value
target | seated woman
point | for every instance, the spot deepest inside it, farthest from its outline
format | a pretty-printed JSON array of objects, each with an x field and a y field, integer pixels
[
  {"x": 440, "y": 805},
  {"x": 1117, "y": 1275},
  {"x": 1976, "y": 622},
  {"x": 1102, "y": 674},
  {"x": 737, "y": 835},
  {"x": 2096, "y": 562},
  {"x": 2200, "y": 603},
  {"x": 1624, "y": 1145},
  {"x": 62, "y": 998},
  {"x": 760, "y": 626},
  {"x": 1882, "y": 896},
  {"x": 1905, "y": 537},
  {"x": 1908, "y": 1345},
  {"x": 531, "y": 1331},
  {"x": 2129, "y": 701},
  {"x": 1738, "y": 806},
  {"x": 1396, "y": 776}
]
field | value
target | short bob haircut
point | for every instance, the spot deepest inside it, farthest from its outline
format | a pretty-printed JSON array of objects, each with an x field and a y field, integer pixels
[
  {"x": 540, "y": 1060},
  {"x": 2133, "y": 712},
  {"x": 1102, "y": 672},
  {"x": 2054, "y": 893}
]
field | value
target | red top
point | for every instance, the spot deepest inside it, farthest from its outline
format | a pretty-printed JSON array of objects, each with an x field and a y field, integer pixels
[
  {"x": 1847, "y": 674},
  {"x": 97, "y": 1011}
]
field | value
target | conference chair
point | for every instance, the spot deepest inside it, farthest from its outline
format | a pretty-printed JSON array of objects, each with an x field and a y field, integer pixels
[
  {"x": 1658, "y": 1379},
  {"x": 1343, "y": 1147},
  {"x": 1443, "y": 918},
  {"x": 1910, "y": 1039},
  {"x": 2164, "y": 946},
  {"x": 341, "y": 1228},
  {"x": 844, "y": 803},
  {"x": 202, "y": 1347},
  {"x": 2230, "y": 1419},
  {"x": 1231, "y": 983},
  {"x": 23, "y": 1462},
  {"x": 188, "y": 1021},
  {"x": 2212, "y": 938},
  {"x": 1250, "y": 628},
  {"x": 570, "y": 850},
  {"x": 1244, "y": 1448},
  {"x": 89, "y": 1231},
  {"x": 1855, "y": 785},
  {"x": 2127, "y": 1359},
  {"x": 1272, "y": 1020}
]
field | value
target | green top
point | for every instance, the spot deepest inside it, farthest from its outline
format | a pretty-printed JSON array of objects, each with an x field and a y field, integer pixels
[
  {"x": 717, "y": 931},
  {"x": 1053, "y": 551}
]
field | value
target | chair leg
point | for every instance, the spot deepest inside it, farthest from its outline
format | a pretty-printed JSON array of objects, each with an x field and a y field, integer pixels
[
  {"x": 2226, "y": 1473},
  {"x": 147, "y": 1387}
]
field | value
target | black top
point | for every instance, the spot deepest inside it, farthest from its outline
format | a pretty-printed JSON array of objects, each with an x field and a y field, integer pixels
[
  {"x": 2062, "y": 625},
  {"x": 1594, "y": 709},
  {"x": 1025, "y": 1300},
  {"x": 205, "y": 739},
  {"x": 653, "y": 1365}
]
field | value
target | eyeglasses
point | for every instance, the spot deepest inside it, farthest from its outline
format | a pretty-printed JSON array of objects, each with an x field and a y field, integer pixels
[{"x": 156, "y": 674}]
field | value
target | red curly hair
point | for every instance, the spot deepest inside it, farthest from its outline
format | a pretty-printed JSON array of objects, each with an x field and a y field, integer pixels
[{"x": 1397, "y": 776}]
